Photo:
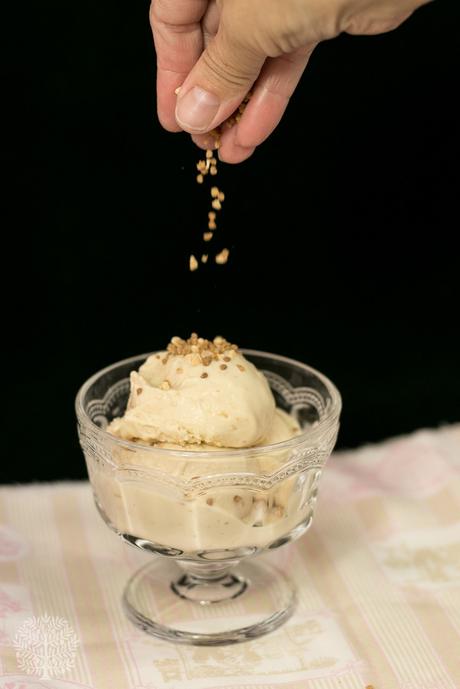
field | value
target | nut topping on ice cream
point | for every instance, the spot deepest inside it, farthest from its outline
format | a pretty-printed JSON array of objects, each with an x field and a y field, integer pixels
[{"x": 200, "y": 392}]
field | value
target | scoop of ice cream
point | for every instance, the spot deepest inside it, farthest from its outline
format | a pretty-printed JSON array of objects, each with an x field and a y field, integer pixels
[{"x": 198, "y": 392}]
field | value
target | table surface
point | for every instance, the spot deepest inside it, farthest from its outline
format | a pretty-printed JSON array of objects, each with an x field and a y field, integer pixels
[{"x": 378, "y": 577}]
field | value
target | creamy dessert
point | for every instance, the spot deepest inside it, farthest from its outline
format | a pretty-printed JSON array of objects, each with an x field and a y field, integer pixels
[
  {"x": 212, "y": 409},
  {"x": 202, "y": 393}
]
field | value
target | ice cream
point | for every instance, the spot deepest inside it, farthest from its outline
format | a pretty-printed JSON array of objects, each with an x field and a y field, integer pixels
[
  {"x": 202, "y": 396},
  {"x": 202, "y": 393}
]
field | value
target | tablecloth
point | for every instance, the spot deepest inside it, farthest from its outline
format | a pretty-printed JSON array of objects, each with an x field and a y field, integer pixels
[{"x": 378, "y": 576}]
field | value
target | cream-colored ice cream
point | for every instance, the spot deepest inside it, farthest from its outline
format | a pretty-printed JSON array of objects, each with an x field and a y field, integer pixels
[
  {"x": 202, "y": 396},
  {"x": 198, "y": 392}
]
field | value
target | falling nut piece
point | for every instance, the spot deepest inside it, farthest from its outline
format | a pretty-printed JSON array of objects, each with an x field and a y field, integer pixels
[
  {"x": 222, "y": 257},
  {"x": 193, "y": 263}
]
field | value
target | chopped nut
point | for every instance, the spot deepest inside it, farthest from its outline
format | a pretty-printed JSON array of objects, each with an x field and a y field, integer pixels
[
  {"x": 139, "y": 391},
  {"x": 237, "y": 498},
  {"x": 204, "y": 375},
  {"x": 211, "y": 215},
  {"x": 204, "y": 258},
  {"x": 213, "y": 170},
  {"x": 227, "y": 358},
  {"x": 165, "y": 385},
  {"x": 209, "y": 501},
  {"x": 216, "y": 204},
  {"x": 193, "y": 263},
  {"x": 200, "y": 350},
  {"x": 214, "y": 192},
  {"x": 179, "y": 370},
  {"x": 207, "y": 236},
  {"x": 221, "y": 196},
  {"x": 209, "y": 153},
  {"x": 222, "y": 257},
  {"x": 223, "y": 367},
  {"x": 240, "y": 367},
  {"x": 163, "y": 361},
  {"x": 177, "y": 91},
  {"x": 212, "y": 225},
  {"x": 200, "y": 178}
]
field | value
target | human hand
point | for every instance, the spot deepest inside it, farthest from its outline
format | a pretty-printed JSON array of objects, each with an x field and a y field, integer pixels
[{"x": 217, "y": 51}]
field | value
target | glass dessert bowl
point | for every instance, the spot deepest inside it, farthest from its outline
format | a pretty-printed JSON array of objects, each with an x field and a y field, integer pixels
[{"x": 204, "y": 514}]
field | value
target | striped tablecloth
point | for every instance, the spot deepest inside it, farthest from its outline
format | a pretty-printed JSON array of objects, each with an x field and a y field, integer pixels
[{"x": 378, "y": 576}]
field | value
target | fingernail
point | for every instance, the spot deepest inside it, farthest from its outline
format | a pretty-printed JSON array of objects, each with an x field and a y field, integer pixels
[{"x": 196, "y": 109}]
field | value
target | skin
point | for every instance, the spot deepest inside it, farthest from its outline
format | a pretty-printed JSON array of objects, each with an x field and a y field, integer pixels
[{"x": 230, "y": 47}]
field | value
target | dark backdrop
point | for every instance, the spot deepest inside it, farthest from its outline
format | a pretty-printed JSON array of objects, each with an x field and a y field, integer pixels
[{"x": 343, "y": 226}]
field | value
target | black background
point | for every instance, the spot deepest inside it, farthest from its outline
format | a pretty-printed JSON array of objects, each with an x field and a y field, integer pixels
[{"x": 343, "y": 226}]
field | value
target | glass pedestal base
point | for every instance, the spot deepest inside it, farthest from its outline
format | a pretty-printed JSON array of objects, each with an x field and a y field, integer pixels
[{"x": 208, "y": 605}]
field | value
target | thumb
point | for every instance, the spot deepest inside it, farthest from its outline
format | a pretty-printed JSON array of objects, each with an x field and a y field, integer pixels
[{"x": 217, "y": 84}]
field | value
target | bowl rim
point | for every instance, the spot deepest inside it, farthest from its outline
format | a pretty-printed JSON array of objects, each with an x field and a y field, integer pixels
[{"x": 325, "y": 424}]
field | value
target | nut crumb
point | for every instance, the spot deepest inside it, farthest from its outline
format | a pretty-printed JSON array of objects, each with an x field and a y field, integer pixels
[
  {"x": 200, "y": 350},
  {"x": 227, "y": 358},
  {"x": 216, "y": 204},
  {"x": 210, "y": 501},
  {"x": 223, "y": 367},
  {"x": 204, "y": 258},
  {"x": 207, "y": 236},
  {"x": 237, "y": 498},
  {"x": 139, "y": 391},
  {"x": 200, "y": 178},
  {"x": 209, "y": 153},
  {"x": 204, "y": 375},
  {"x": 222, "y": 257},
  {"x": 165, "y": 385},
  {"x": 241, "y": 367},
  {"x": 193, "y": 263},
  {"x": 177, "y": 91}
]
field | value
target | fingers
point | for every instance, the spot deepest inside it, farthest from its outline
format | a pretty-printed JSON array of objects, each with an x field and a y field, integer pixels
[
  {"x": 177, "y": 32},
  {"x": 218, "y": 83},
  {"x": 276, "y": 84}
]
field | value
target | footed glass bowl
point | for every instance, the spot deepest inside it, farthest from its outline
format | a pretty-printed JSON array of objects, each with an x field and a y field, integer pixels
[{"x": 204, "y": 515}]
